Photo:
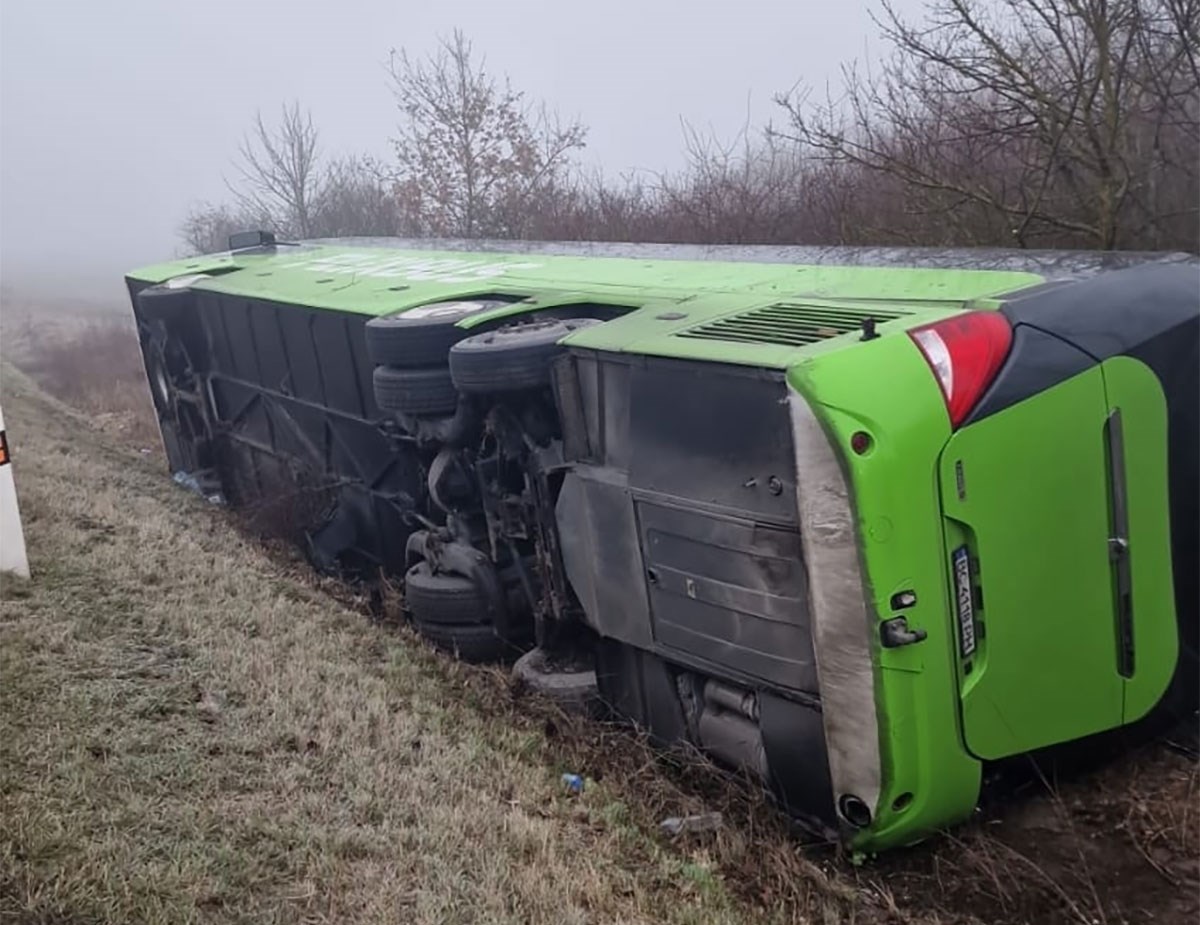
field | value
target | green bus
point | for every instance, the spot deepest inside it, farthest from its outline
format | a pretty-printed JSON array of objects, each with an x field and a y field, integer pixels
[{"x": 866, "y": 524}]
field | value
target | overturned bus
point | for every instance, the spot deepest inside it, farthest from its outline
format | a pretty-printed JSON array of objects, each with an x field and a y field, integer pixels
[{"x": 864, "y": 523}]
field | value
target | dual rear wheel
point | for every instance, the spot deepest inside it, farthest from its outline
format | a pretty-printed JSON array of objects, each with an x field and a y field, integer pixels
[
  {"x": 423, "y": 364},
  {"x": 455, "y": 615}
]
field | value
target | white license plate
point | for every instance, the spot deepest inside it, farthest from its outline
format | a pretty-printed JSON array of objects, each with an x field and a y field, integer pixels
[{"x": 965, "y": 598}]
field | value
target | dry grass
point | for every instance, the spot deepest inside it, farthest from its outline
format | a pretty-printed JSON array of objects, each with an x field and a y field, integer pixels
[
  {"x": 190, "y": 735},
  {"x": 1120, "y": 845},
  {"x": 195, "y": 729}
]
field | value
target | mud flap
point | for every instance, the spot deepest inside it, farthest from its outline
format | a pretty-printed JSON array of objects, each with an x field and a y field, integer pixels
[
  {"x": 639, "y": 687},
  {"x": 793, "y": 736}
]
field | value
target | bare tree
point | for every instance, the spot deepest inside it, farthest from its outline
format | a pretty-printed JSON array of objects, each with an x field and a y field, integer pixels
[
  {"x": 1067, "y": 122},
  {"x": 279, "y": 167},
  {"x": 473, "y": 155}
]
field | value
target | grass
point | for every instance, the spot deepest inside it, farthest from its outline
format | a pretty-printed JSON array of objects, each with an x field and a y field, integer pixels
[
  {"x": 190, "y": 735},
  {"x": 194, "y": 728}
]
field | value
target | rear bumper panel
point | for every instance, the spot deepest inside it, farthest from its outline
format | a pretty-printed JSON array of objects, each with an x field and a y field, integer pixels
[
  {"x": 842, "y": 630},
  {"x": 920, "y": 774}
]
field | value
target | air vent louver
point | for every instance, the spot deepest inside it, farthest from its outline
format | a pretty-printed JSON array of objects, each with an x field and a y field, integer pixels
[{"x": 788, "y": 324}]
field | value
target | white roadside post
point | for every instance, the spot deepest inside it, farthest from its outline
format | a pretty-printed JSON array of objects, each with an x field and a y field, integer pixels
[{"x": 12, "y": 538}]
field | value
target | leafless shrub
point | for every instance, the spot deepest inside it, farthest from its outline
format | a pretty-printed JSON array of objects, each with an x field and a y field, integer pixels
[
  {"x": 745, "y": 191},
  {"x": 357, "y": 198},
  {"x": 297, "y": 503}
]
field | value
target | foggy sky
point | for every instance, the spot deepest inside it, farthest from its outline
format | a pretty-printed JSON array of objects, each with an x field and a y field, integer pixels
[{"x": 116, "y": 116}]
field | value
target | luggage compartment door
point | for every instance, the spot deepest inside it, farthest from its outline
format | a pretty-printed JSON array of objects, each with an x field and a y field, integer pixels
[{"x": 729, "y": 591}]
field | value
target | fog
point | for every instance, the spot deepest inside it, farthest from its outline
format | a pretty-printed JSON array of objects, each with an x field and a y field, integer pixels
[{"x": 116, "y": 117}]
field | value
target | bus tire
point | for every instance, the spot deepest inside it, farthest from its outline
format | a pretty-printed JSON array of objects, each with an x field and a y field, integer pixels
[
  {"x": 470, "y": 643},
  {"x": 573, "y": 688},
  {"x": 398, "y": 340},
  {"x": 443, "y": 598},
  {"x": 415, "y": 391},
  {"x": 511, "y": 358}
]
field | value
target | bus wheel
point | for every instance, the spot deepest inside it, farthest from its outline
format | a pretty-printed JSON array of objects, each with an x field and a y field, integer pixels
[
  {"x": 415, "y": 391},
  {"x": 512, "y": 358},
  {"x": 443, "y": 598},
  {"x": 471, "y": 643}
]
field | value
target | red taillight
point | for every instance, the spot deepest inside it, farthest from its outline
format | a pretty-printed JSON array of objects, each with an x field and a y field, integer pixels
[{"x": 965, "y": 353}]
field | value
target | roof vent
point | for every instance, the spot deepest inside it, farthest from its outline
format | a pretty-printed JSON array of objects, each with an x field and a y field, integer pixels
[{"x": 789, "y": 324}]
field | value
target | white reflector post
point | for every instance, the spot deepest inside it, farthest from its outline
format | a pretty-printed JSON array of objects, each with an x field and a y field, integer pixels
[{"x": 12, "y": 538}]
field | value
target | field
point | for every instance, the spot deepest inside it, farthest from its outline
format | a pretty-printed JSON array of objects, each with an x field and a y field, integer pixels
[{"x": 194, "y": 728}]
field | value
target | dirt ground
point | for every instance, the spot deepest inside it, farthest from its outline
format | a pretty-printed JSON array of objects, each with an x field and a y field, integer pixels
[{"x": 194, "y": 728}]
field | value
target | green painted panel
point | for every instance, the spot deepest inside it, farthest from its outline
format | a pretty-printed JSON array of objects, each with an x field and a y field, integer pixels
[
  {"x": 1026, "y": 490},
  {"x": 885, "y": 388}
]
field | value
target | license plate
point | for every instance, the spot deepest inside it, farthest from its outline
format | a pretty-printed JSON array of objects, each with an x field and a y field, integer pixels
[{"x": 965, "y": 597}]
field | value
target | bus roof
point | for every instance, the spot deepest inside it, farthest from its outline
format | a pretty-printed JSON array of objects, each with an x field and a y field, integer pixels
[{"x": 679, "y": 287}]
